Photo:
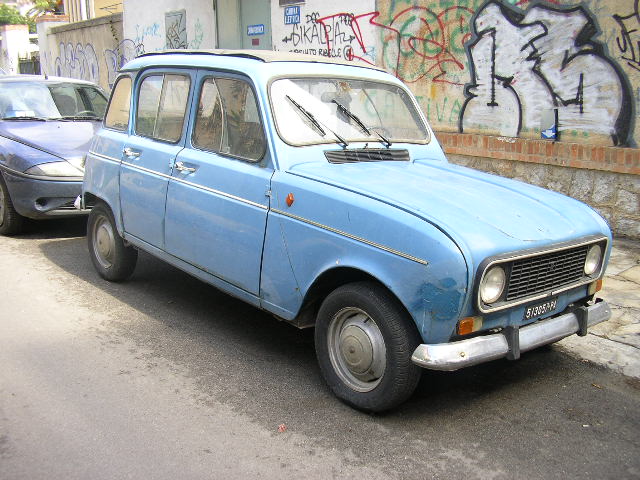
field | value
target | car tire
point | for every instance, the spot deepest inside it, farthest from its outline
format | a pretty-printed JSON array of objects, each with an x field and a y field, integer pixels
[
  {"x": 364, "y": 340},
  {"x": 11, "y": 222},
  {"x": 113, "y": 260}
]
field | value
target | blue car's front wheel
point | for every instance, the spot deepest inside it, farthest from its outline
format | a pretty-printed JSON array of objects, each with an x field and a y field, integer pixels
[{"x": 364, "y": 340}]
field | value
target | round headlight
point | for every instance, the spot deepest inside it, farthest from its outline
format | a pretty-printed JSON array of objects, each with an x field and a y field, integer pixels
[
  {"x": 493, "y": 284},
  {"x": 594, "y": 257}
]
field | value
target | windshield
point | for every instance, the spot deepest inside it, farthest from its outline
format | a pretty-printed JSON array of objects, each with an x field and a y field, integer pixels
[
  {"x": 337, "y": 110},
  {"x": 51, "y": 101}
]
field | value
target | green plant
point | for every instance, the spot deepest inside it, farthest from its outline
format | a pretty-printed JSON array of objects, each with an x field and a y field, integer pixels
[{"x": 11, "y": 16}]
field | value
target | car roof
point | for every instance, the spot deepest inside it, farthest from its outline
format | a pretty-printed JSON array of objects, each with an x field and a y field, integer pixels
[
  {"x": 247, "y": 57},
  {"x": 42, "y": 79}
]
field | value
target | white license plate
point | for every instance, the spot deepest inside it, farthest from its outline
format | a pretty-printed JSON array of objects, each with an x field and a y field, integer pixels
[{"x": 538, "y": 309}]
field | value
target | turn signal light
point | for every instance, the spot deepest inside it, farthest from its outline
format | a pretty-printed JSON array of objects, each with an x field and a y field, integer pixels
[
  {"x": 595, "y": 287},
  {"x": 469, "y": 325}
]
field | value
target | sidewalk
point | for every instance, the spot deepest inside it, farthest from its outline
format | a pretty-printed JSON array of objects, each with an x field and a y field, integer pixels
[{"x": 616, "y": 343}]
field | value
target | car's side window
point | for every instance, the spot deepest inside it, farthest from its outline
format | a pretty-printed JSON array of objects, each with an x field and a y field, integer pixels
[
  {"x": 118, "y": 114},
  {"x": 162, "y": 103},
  {"x": 227, "y": 120}
]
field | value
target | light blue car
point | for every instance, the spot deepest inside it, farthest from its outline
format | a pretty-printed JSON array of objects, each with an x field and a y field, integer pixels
[{"x": 316, "y": 191}]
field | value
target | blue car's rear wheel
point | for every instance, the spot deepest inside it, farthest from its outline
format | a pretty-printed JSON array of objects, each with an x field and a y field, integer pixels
[
  {"x": 113, "y": 260},
  {"x": 11, "y": 222},
  {"x": 364, "y": 340}
]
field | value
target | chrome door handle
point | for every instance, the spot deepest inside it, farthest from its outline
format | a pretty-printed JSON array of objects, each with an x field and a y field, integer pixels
[
  {"x": 182, "y": 168},
  {"x": 130, "y": 152}
]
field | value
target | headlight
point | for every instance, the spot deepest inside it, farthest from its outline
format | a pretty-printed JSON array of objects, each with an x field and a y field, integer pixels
[
  {"x": 492, "y": 285},
  {"x": 594, "y": 257},
  {"x": 55, "y": 169}
]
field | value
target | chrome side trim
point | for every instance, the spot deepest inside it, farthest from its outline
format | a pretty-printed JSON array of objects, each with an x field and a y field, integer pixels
[
  {"x": 352, "y": 237},
  {"x": 222, "y": 194},
  {"x": 104, "y": 157},
  {"x": 198, "y": 186},
  {"x": 464, "y": 353}
]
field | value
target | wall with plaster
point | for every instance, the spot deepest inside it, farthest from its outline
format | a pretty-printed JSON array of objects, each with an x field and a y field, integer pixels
[
  {"x": 14, "y": 44},
  {"x": 500, "y": 67},
  {"x": 91, "y": 50},
  {"x": 169, "y": 24}
]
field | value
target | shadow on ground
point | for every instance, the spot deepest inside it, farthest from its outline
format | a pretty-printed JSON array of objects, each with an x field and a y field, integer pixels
[{"x": 547, "y": 403}]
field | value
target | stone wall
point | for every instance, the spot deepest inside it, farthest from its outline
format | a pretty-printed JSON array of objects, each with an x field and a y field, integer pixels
[{"x": 606, "y": 178}]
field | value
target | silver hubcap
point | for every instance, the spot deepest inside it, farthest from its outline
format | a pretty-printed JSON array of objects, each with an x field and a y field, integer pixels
[
  {"x": 103, "y": 242},
  {"x": 356, "y": 349}
]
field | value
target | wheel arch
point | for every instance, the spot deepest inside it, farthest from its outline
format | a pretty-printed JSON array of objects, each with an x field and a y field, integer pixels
[{"x": 328, "y": 281}]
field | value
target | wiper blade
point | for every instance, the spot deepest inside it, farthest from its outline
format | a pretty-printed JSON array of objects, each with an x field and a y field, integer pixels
[
  {"x": 309, "y": 116},
  {"x": 316, "y": 123},
  {"x": 78, "y": 117},
  {"x": 352, "y": 116},
  {"x": 360, "y": 123},
  {"x": 40, "y": 119}
]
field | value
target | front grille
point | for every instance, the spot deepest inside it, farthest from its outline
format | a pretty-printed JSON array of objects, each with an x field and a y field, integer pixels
[
  {"x": 367, "y": 155},
  {"x": 542, "y": 273}
]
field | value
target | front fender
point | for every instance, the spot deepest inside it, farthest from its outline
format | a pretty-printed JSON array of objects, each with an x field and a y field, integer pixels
[{"x": 328, "y": 227}]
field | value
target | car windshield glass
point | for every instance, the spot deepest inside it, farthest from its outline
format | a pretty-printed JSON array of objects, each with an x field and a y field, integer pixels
[
  {"x": 345, "y": 110},
  {"x": 51, "y": 101}
]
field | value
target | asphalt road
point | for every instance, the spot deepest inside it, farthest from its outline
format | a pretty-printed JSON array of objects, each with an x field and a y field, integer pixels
[{"x": 166, "y": 377}]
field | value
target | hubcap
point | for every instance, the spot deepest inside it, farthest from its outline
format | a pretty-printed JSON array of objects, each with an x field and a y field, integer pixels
[
  {"x": 356, "y": 349},
  {"x": 103, "y": 242}
]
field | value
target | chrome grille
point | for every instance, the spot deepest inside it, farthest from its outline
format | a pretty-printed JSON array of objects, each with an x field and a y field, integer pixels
[{"x": 545, "y": 272}]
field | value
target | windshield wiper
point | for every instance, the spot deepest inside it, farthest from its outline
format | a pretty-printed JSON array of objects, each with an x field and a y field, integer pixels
[
  {"x": 40, "y": 119},
  {"x": 362, "y": 126},
  {"x": 78, "y": 117},
  {"x": 316, "y": 123}
]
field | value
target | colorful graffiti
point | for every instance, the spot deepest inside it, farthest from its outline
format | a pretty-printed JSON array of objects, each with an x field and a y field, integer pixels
[
  {"x": 508, "y": 67},
  {"x": 547, "y": 59}
]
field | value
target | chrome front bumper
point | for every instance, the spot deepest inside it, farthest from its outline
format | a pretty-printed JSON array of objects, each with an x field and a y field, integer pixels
[{"x": 511, "y": 341}]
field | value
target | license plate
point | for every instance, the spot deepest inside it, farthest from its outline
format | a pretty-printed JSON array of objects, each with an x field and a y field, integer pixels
[{"x": 538, "y": 309}]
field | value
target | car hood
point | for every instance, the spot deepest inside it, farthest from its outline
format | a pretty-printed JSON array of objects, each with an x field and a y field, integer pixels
[
  {"x": 484, "y": 214},
  {"x": 64, "y": 139}
]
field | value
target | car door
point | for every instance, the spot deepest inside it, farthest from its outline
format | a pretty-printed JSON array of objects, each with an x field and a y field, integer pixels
[
  {"x": 161, "y": 102},
  {"x": 217, "y": 199}
]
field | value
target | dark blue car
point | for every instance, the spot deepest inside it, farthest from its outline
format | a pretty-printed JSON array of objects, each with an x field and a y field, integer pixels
[{"x": 46, "y": 125}]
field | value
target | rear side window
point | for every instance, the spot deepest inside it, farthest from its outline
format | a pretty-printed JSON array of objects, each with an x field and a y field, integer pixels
[
  {"x": 162, "y": 103},
  {"x": 227, "y": 121},
  {"x": 118, "y": 114}
]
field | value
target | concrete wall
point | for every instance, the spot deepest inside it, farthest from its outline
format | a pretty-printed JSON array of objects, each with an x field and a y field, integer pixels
[
  {"x": 166, "y": 24},
  {"x": 14, "y": 45},
  {"x": 91, "y": 50}
]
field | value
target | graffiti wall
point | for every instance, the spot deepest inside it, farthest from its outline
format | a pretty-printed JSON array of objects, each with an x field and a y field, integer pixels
[
  {"x": 170, "y": 24},
  {"x": 92, "y": 50},
  {"x": 557, "y": 69}
]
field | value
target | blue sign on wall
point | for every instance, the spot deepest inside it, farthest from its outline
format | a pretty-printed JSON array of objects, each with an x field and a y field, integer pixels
[
  {"x": 255, "y": 29},
  {"x": 291, "y": 15}
]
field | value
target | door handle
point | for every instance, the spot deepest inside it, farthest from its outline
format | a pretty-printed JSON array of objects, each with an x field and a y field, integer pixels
[
  {"x": 130, "y": 152},
  {"x": 183, "y": 168}
]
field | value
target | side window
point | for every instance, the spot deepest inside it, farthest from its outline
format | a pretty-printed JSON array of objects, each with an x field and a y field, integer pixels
[
  {"x": 162, "y": 103},
  {"x": 118, "y": 114},
  {"x": 227, "y": 120}
]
